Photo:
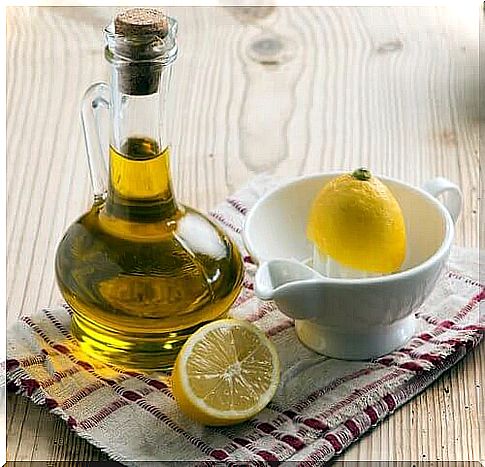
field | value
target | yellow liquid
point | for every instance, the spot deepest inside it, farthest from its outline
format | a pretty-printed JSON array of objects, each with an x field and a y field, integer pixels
[{"x": 141, "y": 272}]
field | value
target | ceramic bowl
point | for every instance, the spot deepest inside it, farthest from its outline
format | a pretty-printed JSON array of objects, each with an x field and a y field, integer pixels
[{"x": 352, "y": 319}]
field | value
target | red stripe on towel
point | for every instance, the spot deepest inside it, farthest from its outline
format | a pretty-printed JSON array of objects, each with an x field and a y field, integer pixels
[
  {"x": 314, "y": 396},
  {"x": 102, "y": 414},
  {"x": 238, "y": 205},
  {"x": 281, "y": 326},
  {"x": 159, "y": 415},
  {"x": 222, "y": 219},
  {"x": 78, "y": 396}
]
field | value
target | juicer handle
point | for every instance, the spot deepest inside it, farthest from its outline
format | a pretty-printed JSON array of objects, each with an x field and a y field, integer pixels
[
  {"x": 96, "y": 136},
  {"x": 452, "y": 196}
]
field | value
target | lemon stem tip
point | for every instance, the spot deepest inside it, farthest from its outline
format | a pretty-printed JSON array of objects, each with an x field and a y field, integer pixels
[{"x": 362, "y": 174}]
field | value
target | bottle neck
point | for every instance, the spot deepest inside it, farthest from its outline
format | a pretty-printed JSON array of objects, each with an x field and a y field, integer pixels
[{"x": 140, "y": 185}]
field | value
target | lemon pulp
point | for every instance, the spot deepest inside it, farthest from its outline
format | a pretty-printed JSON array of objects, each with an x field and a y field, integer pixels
[{"x": 225, "y": 373}]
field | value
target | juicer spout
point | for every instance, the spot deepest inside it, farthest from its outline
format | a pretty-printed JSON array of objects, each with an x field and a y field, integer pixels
[{"x": 285, "y": 281}]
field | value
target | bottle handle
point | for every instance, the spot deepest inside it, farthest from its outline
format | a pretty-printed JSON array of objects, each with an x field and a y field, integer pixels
[
  {"x": 96, "y": 136},
  {"x": 452, "y": 197}
]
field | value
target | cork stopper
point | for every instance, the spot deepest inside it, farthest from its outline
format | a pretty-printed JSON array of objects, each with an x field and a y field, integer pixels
[
  {"x": 142, "y": 29},
  {"x": 141, "y": 22}
]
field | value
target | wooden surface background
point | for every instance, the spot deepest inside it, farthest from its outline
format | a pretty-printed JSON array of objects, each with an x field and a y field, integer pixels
[{"x": 392, "y": 88}]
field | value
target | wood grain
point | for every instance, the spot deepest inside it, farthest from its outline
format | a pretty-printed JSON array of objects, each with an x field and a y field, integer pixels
[{"x": 392, "y": 88}]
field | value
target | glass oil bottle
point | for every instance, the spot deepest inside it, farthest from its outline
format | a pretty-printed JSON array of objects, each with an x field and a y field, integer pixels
[{"x": 140, "y": 271}]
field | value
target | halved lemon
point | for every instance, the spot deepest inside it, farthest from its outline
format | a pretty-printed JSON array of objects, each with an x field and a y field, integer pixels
[
  {"x": 356, "y": 221},
  {"x": 225, "y": 373}
]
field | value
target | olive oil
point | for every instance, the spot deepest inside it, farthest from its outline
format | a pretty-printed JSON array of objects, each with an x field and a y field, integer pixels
[{"x": 140, "y": 271}]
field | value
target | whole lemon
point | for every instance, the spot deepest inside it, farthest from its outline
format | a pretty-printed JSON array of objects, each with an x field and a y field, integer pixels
[{"x": 356, "y": 221}]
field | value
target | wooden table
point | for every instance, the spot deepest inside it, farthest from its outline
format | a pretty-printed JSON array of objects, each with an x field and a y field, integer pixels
[{"x": 395, "y": 89}]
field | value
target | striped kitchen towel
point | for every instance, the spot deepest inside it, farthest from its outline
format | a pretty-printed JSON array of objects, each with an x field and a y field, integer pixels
[{"x": 322, "y": 405}]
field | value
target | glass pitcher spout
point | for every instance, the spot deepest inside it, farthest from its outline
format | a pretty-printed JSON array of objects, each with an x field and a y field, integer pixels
[{"x": 140, "y": 270}]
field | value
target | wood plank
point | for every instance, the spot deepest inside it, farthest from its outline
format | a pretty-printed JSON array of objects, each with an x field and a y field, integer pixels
[
  {"x": 34, "y": 434},
  {"x": 392, "y": 88}
]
